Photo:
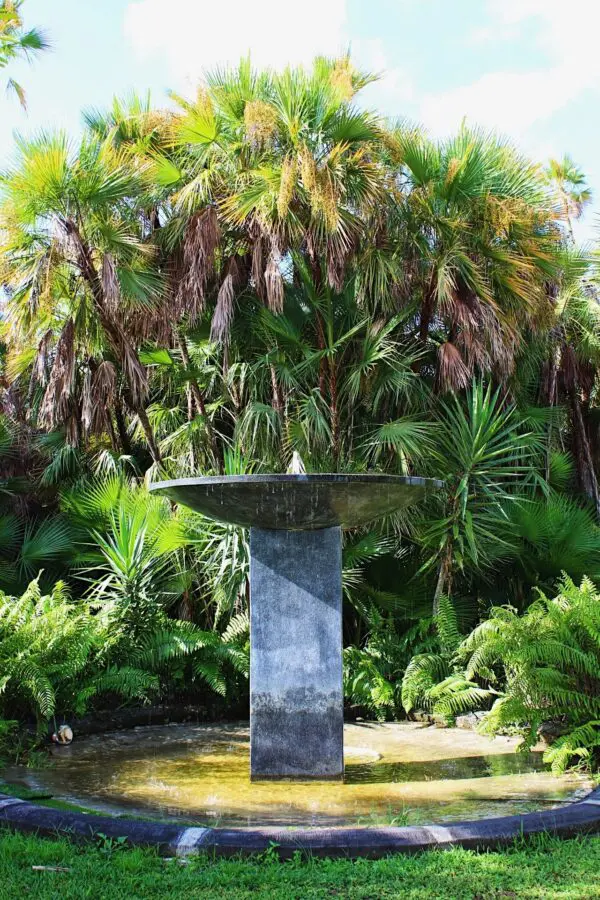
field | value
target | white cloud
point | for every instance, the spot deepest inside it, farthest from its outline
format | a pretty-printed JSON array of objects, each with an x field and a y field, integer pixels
[
  {"x": 567, "y": 31},
  {"x": 511, "y": 101},
  {"x": 508, "y": 102},
  {"x": 196, "y": 35},
  {"x": 395, "y": 86}
]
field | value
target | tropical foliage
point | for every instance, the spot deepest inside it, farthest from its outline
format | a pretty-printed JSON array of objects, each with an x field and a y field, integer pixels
[
  {"x": 264, "y": 269},
  {"x": 17, "y": 43},
  {"x": 548, "y": 663}
]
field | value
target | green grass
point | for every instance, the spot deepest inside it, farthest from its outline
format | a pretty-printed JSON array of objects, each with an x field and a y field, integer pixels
[
  {"x": 42, "y": 799},
  {"x": 544, "y": 868}
]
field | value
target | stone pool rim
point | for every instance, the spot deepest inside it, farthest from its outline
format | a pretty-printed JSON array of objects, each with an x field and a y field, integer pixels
[{"x": 168, "y": 839}]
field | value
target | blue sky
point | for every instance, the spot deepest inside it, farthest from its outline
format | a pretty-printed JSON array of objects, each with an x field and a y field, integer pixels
[{"x": 529, "y": 69}]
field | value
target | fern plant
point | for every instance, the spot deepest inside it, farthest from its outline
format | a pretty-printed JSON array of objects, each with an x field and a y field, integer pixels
[
  {"x": 58, "y": 655},
  {"x": 433, "y": 681},
  {"x": 373, "y": 671},
  {"x": 548, "y": 660},
  {"x": 45, "y": 643},
  {"x": 49, "y": 650}
]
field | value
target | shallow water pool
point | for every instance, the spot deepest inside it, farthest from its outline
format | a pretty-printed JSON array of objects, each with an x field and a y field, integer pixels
[{"x": 396, "y": 773}]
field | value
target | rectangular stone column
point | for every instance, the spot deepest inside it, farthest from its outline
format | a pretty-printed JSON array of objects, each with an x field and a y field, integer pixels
[{"x": 296, "y": 698}]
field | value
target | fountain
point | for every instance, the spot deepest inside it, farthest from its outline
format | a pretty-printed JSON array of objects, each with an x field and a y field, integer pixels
[
  {"x": 296, "y": 521},
  {"x": 403, "y": 776}
]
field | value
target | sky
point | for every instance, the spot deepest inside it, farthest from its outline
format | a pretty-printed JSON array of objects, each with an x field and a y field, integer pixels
[{"x": 527, "y": 69}]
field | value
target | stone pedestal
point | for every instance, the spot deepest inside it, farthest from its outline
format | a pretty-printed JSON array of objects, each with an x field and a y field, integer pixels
[{"x": 296, "y": 698}]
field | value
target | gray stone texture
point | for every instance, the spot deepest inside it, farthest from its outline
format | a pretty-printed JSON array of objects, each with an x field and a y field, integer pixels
[{"x": 296, "y": 696}]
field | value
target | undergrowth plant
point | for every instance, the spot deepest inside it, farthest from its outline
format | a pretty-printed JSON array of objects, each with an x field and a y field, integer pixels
[
  {"x": 547, "y": 664},
  {"x": 434, "y": 681},
  {"x": 57, "y": 656}
]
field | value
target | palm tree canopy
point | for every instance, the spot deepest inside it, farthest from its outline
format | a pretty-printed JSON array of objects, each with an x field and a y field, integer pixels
[{"x": 16, "y": 42}]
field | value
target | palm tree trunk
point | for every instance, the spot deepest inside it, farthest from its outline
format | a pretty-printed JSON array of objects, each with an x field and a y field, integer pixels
[
  {"x": 122, "y": 428},
  {"x": 148, "y": 434},
  {"x": 551, "y": 398},
  {"x": 585, "y": 462},
  {"x": 323, "y": 361},
  {"x": 444, "y": 579},
  {"x": 185, "y": 610},
  {"x": 111, "y": 433},
  {"x": 335, "y": 412},
  {"x": 317, "y": 277},
  {"x": 277, "y": 400},
  {"x": 427, "y": 310}
]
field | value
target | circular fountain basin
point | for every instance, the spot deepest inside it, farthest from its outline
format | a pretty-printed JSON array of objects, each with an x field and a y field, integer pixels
[
  {"x": 396, "y": 774},
  {"x": 297, "y": 502}
]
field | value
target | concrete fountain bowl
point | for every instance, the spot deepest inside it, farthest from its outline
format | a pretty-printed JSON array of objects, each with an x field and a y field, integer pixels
[{"x": 297, "y": 502}]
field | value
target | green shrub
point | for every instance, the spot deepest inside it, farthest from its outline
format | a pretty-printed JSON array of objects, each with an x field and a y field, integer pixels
[
  {"x": 57, "y": 655},
  {"x": 547, "y": 662},
  {"x": 433, "y": 681}
]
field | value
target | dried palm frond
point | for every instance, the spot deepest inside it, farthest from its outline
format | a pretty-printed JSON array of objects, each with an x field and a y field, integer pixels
[
  {"x": 72, "y": 430},
  {"x": 200, "y": 243},
  {"x": 55, "y": 407},
  {"x": 339, "y": 249},
  {"x": 452, "y": 373},
  {"x": 39, "y": 372},
  {"x": 99, "y": 389},
  {"x": 472, "y": 349},
  {"x": 260, "y": 119},
  {"x": 135, "y": 373},
  {"x": 223, "y": 314},
  {"x": 221, "y": 320},
  {"x": 87, "y": 403},
  {"x": 110, "y": 283},
  {"x": 105, "y": 383},
  {"x": 274, "y": 282},
  {"x": 459, "y": 305},
  {"x": 258, "y": 239}
]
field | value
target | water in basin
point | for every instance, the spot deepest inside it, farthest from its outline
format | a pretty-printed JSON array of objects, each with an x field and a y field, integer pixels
[{"x": 400, "y": 773}]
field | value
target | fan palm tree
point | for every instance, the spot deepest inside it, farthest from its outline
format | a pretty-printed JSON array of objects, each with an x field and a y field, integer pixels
[
  {"x": 18, "y": 43},
  {"x": 477, "y": 241},
  {"x": 264, "y": 163},
  {"x": 326, "y": 381},
  {"x": 569, "y": 183},
  {"x": 82, "y": 279},
  {"x": 572, "y": 361}
]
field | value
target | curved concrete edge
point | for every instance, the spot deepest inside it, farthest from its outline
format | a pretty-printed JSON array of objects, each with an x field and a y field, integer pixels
[{"x": 171, "y": 839}]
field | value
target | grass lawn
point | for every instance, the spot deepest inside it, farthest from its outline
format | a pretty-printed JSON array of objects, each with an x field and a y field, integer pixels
[{"x": 545, "y": 868}]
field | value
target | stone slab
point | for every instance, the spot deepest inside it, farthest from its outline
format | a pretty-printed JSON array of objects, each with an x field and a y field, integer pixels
[{"x": 296, "y": 694}]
